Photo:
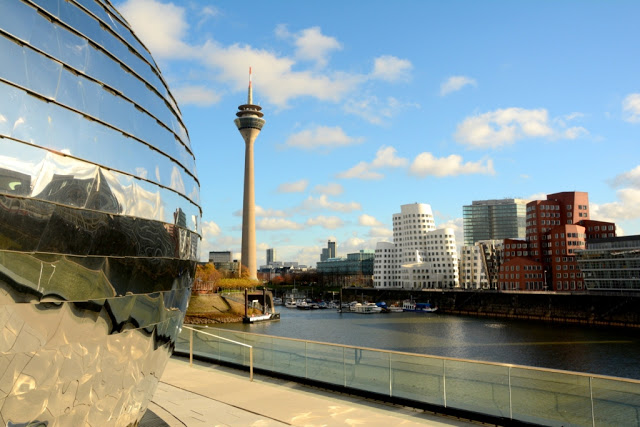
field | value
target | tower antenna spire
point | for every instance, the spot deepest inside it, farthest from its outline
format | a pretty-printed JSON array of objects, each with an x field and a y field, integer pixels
[{"x": 250, "y": 97}]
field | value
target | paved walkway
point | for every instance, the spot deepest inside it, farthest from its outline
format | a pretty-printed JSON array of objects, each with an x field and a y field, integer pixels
[{"x": 211, "y": 395}]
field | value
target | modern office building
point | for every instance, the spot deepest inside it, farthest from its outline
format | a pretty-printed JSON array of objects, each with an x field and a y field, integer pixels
[
  {"x": 494, "y": 220},
  {"x": 99, "y": 218},
  {"x": 271, "y": 256},
  {"x": 556, "y": 229},
  {"x": 424, "y": 257},
  {"x": 611, "y": 264},
  {"x": 354, "y": 269},
  {"x": 329, "y": 251},
  {"x": 223, "y": 261},
  {"x": 249, "y": 122}
]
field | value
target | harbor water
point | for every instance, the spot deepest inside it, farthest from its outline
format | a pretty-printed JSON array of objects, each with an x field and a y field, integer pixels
[{"x": 580, "y": 348}]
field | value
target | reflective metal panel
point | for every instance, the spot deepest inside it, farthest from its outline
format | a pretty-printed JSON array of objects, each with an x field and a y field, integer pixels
[{"x": 99, "y": 217}]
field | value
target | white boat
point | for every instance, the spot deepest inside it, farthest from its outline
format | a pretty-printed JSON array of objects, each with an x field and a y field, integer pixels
[
  {"x": 260, "y": 318},
  {"x": 395, "y": 309},
  {"x": 303, "y": 305},
  {"x": 418, "y": 307},
  {"x": 290, "y": 303},
  {"x": 277, "y": 301},
  {"x": 366, "y": 308}
]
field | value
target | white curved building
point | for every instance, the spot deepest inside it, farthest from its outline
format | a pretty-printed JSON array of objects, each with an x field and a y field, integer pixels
[{"x": 420, "y": 257}]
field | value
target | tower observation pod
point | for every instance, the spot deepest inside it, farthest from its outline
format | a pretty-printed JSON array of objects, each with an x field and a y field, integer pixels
[{"x": 249, "y": 123}]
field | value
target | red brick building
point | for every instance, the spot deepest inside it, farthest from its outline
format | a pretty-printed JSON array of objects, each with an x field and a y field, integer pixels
[{"x": 555, "y": 229}]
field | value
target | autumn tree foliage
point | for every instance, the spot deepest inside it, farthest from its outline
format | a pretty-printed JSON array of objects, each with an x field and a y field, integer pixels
[{"x": 207, "y": 273}]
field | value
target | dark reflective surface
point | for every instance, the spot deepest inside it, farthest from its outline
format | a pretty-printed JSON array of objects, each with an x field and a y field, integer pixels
[{"x": 99, "y": 216}]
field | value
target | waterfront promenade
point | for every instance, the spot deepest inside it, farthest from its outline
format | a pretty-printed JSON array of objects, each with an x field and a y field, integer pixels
[{"x": 211, "y": 395}]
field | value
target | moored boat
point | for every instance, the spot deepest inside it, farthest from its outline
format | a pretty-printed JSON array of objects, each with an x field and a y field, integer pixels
[
  {"x": 366, "y": 308},
  {"x": 418, "y": 307}
]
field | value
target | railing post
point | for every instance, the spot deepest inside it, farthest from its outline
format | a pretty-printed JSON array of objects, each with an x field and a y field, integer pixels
[
  {"x": 593, "y": 412},
  {"x": 251, "y": 363},
  {"x": 306, "y": 365},
  {"x": 444, "y": 381},
  {"x": 390, "y": 377},
  {"x": 190, "y": 347},
  {"x": 344, "y": 364},
  {"x": 510, "y": 401}
]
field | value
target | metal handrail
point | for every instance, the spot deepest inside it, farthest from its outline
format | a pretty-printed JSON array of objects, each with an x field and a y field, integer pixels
[{"x": 221, "y": 338}]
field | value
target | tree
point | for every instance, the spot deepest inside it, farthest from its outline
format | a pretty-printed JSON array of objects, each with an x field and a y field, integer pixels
[{"x": 208, "y": 274}]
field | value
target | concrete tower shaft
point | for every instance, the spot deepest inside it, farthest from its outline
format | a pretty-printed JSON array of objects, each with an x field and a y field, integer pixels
[{"x": 249, "y": 123}]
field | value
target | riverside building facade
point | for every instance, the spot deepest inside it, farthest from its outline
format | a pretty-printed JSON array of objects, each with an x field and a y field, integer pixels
[
  {"x": 557, "y": 228},
  {"x": 611, "y": 264},
  {"x": 420, "y": 257}
]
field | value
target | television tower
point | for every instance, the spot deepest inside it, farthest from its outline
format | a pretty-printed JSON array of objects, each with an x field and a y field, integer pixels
[{"x": 249, "y": 123}]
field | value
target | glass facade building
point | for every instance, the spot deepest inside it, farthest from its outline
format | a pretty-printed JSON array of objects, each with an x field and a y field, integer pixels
[
  {"x": 494, "y": 220},
  {"x": 99, "y": 216},
  {"x": 611, "y": 264}
]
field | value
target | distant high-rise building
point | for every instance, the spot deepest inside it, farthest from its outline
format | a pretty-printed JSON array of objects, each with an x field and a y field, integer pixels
[
  {"x": 271, "y": 256},
  {"x": 494, "y": 220},
  {"x": 329, "y": 251},
  {"x": 420, "y": 256}
]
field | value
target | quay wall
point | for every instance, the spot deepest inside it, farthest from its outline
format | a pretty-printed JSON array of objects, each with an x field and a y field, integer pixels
[{"x": 583, "y": 308}]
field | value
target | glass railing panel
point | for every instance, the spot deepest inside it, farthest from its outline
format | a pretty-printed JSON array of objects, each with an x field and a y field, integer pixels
[
  {"x": 616, "y": 402},
  {"x": 205, "y": 345},
  {"x": 550, "y": 398},
  {"x": 417, "y": 378},
  {"x": 262, "y": 350},
  {"x": 289, "y": 357},
  {"x": 477, "y": 387},
  {"x": 325, "y": 363},
  {"x": 225, "y": 351},
  {"x": 367, "y": 370}
]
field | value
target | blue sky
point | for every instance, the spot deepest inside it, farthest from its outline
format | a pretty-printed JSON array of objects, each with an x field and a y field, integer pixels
[{"x": 371, "y": 105}]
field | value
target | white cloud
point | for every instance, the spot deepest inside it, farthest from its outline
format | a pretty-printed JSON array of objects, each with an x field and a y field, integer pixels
[
  {"x": 376, "y": 111},
  {"x": 293, "y": 187},
  {"x": 210, "y": 229},
  {"x": 330, "y": 223},
  {"x": 380, "y": 233},
  {"x": 323, "y": 203},
  {"x": 631, "y": 178},
  {"x": 627, "y": 207},
  {"x": 631, "y": 108},
  {"x": 331, "y": 189},
  {"x": 427, "y": 164},
  {"x": 160, "y": 26},
  {"x": 360, "y": 171},
  {"x": 313, "y": 45},
  {"x": 277, "y": 224},
  {"x": 321, "y": 137},
  {"x": 195, "y": 95},
  {"x": 368, "y": 221},
  {"x": 391, "y": 69},
  {"x": 455, "y": 83},
  {"x": 386, "y": 157},
  {"x": 575, "y": 132},
  {"x": 503, "y": 127},
  {"x": 278, "y": 78}
]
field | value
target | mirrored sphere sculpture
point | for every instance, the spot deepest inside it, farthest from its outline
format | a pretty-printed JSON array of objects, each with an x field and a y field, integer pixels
[{"x": 99, "y": 216}]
